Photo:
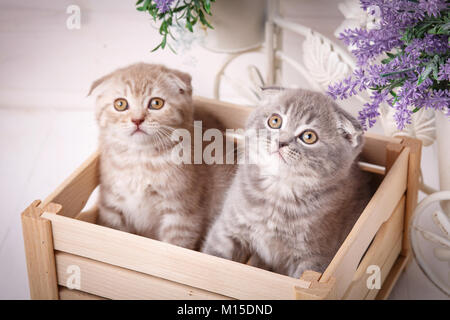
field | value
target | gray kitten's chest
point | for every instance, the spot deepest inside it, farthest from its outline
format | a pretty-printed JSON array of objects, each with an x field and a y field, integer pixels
[
  {"x": 276, "y": 243},
  {"x": 275, "y": 230}
]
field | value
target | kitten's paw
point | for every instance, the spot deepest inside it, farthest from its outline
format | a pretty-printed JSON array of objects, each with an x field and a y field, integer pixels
[
  {"x": 317, "y": 265},
  {"x": 185, "y": 242},
  {"x": 111, "y": 218},
  {"x": 212, "y": 251}
]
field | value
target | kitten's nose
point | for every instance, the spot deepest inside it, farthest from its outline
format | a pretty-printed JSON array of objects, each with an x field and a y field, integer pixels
[{"x": 137, "y": 121}]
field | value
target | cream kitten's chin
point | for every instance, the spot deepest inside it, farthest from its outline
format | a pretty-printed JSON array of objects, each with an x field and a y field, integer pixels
[{"x": 142, "y": 137}]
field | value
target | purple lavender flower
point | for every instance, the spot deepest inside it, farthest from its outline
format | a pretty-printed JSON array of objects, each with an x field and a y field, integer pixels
[
  {"x": 415, "y": 62},
  {"x": 163, "y": 5},
  {"x": 444, "y": 73},
  {"x": 432, "y": 7}
]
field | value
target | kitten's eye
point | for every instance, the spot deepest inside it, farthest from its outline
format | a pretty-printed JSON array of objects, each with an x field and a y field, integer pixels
[
  {"x": 308, "y": 137},
  {"x": 275, "y": 121},
  {"x": 156, "y": 103},
  {"x": 121, "y": 104}
]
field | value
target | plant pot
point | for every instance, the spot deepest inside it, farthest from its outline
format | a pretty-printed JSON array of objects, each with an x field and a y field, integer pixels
[
  {"x": 443, "y": 142},
  {"x": 238, "y": 25}
]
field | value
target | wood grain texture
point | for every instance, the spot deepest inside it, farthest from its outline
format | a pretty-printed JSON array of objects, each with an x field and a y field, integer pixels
[
  {"x": 90, "y": 215},
  {"x": 378, "y": 210},
  {"x": 74, "y": 192},
  {"x": 113, "y": 282},
  {"x": 232, "y": 116},
  {"x": 70, "y": 294},
  {"x": 390, "y": 232},
  {"x": 169, "y": 262},
  {"x": 393, "y": 150},
  {"x": 37, "y": 235},
  {"x": 391, "y": 279},
  {"x": 374, "y": 150},
  {"x": 317, "y": 290},
  {"x": 386, "y": 269},
  {"x": 415, "y": 153}
]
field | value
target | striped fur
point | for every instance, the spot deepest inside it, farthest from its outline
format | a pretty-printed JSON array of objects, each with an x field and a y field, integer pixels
[
  {"x": 141, "y": 189},
  {"x": 293, "y": 211}
]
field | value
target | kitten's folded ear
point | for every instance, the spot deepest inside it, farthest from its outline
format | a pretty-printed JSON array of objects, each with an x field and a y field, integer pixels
[
  {"x": 349, "y": 127},
  {"x": 271, "y": 92},
  {"x": 98, "y": 82},
  {"x": 182, "y": 80}
]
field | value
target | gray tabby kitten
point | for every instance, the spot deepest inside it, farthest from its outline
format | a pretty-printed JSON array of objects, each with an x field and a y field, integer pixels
[{"x": 294, "y": 210}]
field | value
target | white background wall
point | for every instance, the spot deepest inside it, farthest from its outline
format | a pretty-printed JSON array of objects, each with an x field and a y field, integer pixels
[
  {"x": 46, "y": 65},
  {"x": 46, "y": 121}
]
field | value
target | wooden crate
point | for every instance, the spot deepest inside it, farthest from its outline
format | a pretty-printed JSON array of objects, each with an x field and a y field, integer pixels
[{"x": 118, "y": 265}]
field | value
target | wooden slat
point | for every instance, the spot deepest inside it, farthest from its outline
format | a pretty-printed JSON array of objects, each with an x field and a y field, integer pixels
[
  {"x": 389, "y": 233},
  {"x": 90, "y": 215},
  {"x": 385, "y": 269},
  {"x": 374, "y": 150},
  {"x": 378, "y": 210},
  {"x": 392, "y": 277},
  {"x": 317, "y": 290},
  {"x": 393, "y": 150},
  {"x": 415, "y": 152},
  {"x": 169, "y": 262},
  {"x": 113, "y": 282},
  {"x": 232, "y": 116},
  {"x": 37, "y": 235},
  {"x": 71, "y": 294},
  {"x": 372, "y": 168},
  {"x": 74, "y": 192}
]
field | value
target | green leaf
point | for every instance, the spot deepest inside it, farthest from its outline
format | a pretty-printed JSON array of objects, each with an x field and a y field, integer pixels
[
  {"x": 207, "y": 6},
  {"x": 397, "y": 83},
  {"x": 156, "y": 48},
  {"x": 391, "y": 55},
  {"x": 435, "y": 72},
  {"x": 446, "y": 27},
  {"x": 189, "y": 25},
  {"x": 203, "y": 19},
  {"x": 384, "y": 75},
  {"x": 146, "y": 4},
  {"x": 197, "y": 4},
  {"x": 171, "y": 48},
  {"x": 178, "y": 9},
  {"x": 188, "y": 11},
  {"x": 425, "y": 74}
]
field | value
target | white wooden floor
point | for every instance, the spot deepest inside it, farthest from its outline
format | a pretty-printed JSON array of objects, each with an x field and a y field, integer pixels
[{"x": 39, "y": 149}]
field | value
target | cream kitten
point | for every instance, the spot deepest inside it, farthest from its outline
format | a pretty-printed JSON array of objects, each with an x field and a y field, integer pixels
[
  {"x": 141, "y": 189},
  {"x": 293, "y": 210}
]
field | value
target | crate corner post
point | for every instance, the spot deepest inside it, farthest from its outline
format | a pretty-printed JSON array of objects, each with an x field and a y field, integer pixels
[
  {"x": 317, "y": 290},
  {"x": 40, "y": 257},
  {"x": 413, "y": 186}
]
